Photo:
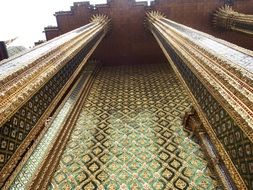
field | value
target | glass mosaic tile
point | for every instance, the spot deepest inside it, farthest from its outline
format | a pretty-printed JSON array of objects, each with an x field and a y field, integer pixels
[{"x": 129, "y": 135}]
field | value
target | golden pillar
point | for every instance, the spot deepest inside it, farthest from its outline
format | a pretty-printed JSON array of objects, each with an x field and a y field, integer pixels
[
  {"x": 218, "y": 76},
  {"x": 33, "y": 84},
  {"x": 226, "y": 17}
]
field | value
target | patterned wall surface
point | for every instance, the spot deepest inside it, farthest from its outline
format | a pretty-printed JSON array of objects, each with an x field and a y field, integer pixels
[
  {"x": 232, "y": 137},
  {"x": 129, "y": 136},
  {"x": 14, "y": 132}
]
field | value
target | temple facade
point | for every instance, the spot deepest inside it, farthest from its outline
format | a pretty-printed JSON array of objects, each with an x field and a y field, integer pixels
[{"x": 129, "y": 96}]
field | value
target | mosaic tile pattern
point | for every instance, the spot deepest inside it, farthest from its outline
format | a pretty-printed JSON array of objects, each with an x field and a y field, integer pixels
[
  {"x": 129, "y": 136},
  {"x": 236, "y": 143}
]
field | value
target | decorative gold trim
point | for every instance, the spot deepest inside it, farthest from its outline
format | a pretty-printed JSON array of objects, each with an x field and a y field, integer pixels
[
  {"x": 226, "y": 43},
  {"x": 226, "y": 17},
  {"x": 17, "y": 87},
  {"x": 224, "y": 155},
  {"x": 228, "y": 92},
  {"x": 70, "y": 124},
  {"x": 45, "y": 172},
  {"x": 11, "y": 164},
  {"x": 234, "y": 90},
  {"x": 28, "y": 154}
]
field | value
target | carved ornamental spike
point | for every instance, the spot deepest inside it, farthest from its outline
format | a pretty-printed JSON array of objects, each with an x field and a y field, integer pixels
[
  {"x": 226, "y": 17},
  {"x": 99, "y": 18}
]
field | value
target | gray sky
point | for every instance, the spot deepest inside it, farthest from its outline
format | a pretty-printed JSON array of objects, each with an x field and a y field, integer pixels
[{"x": 26, "y": 19}]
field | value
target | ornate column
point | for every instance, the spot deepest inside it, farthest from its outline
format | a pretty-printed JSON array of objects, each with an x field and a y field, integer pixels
[
  {"x": 218, "y": 76},
  {"x": 226, "y": 17},
  {"x": 33, "y": 84}
]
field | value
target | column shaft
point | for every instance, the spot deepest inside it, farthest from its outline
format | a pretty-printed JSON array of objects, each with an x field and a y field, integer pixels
[
  {"x": 33, "y": 84},
  {"x": 218, "y": 76},
  {"x": 226, "y": 17}
]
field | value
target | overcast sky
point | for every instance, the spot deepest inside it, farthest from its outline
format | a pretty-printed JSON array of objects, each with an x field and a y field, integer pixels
[{"x": 26, "y": 19}]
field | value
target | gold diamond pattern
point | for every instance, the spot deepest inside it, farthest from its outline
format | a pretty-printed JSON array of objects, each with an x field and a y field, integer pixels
[{"x": 128, "y": 135}]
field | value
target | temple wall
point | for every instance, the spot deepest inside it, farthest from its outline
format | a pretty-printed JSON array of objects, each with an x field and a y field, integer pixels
[{"x": 128, "y": 41}]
